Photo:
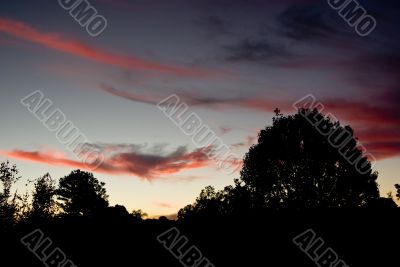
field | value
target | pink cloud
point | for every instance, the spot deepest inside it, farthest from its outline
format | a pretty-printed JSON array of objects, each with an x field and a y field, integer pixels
[
  {"x": 134, "y": 163},
  {"x": 164, "y": 205},
  {"x": 76, "y": 48}
]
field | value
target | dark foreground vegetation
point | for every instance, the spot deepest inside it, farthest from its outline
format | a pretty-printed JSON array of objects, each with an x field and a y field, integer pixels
[{"x": 291, "y": 181}]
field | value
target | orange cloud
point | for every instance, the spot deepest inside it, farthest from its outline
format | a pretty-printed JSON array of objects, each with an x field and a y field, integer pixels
[
  {"x": 76, "y": 48},
  {"x": 136, "y": 163}
]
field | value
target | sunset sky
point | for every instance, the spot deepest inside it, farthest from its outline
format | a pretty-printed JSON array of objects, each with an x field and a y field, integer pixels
[{"x": 232, "y": 61}]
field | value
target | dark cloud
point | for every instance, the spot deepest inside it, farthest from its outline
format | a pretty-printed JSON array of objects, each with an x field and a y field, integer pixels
[
  {"x": 255, "y": 50},
  {"x": 132, "y": 96},
  {"x": 306, "y": 22},
  {"x": 214, "y": 26},
  {"x": 190, "y": 99}
]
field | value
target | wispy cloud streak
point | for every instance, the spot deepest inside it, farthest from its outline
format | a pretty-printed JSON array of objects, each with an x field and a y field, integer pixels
[
  {"x": 74, "y": 47},
  {"x": 125, "y": 160}
]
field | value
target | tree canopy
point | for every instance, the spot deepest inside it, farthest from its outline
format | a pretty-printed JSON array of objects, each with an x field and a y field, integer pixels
[
  {"x": 293, "y": 165},
  {"x": 81, "y": 193}
]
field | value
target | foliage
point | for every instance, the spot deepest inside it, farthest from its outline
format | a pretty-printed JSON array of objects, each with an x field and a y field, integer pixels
[
  {"x": 43, "y": 197},
  {"x": 8, "y": 200},
  {"x": 139, "y": 214},
  {"x": 294, "y": 166},
  {"x": 80, "y": 193}
]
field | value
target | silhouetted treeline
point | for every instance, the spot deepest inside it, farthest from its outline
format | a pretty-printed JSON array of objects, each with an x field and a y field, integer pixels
[{"x": 293, "y": 179}]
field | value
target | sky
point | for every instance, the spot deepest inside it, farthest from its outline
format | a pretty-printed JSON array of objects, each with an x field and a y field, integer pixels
[{"x": 231, "y": 61}]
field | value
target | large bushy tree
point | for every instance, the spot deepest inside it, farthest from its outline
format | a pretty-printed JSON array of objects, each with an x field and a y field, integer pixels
[
  {"x": 80, "y": 193},
  {"x": 294, "y": 165}
]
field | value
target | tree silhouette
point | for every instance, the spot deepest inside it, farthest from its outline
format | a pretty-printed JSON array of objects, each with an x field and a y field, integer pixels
[
  {"x": 139, "y": 214},
  {"x": 232, "y": 200},
  {"x": 81, "y": 193},
  {"x": 8, "y": 201},
  {"x": 207, "y": 204},
  {"x": 43, "y": 202},
  {"x": 295, "y": 166},
  {"x": 397, "y": 186}
]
